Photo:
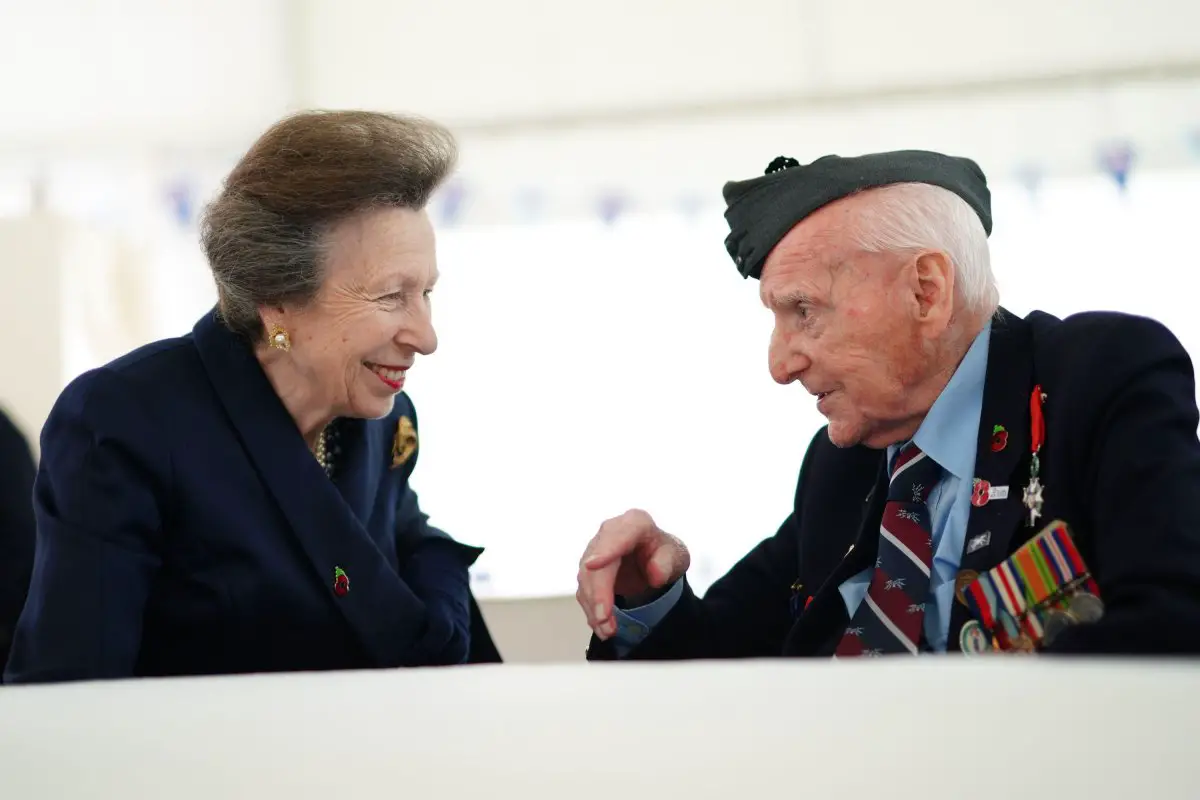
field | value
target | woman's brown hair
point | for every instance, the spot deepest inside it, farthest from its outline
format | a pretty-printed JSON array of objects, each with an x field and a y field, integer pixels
[{"x": 263, "y": 233}]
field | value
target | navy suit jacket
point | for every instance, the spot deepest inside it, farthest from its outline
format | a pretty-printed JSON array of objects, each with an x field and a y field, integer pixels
[
  {"x": 1120, "y": 465},
  {"x": 16, "y": 527},
  {"x": 185, "y": 528}
]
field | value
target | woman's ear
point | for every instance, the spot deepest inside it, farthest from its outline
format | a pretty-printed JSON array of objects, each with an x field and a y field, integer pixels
[{"x": 273, "y": 320}]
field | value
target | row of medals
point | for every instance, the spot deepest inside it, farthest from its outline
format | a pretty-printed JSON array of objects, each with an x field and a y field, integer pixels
[{"x": 1058, "y": 612}]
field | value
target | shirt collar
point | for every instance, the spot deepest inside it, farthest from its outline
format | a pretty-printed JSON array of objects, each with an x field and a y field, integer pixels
[{"x": 953, "y": 421}]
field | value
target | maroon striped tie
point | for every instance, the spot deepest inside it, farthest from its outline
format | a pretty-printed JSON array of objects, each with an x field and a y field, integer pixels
[{"x": 890, "y": 617}]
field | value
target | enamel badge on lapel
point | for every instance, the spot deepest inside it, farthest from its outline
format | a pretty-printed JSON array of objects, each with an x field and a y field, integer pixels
[
  {"x": 1033, "y": 491},
  {"x": 999, "y": 438},
  {"x": 405, "y": 442},
  {"x": 979, "y": 542},
  {"x": 341, "y": 582},
  {"x": 983, "y": 493},
  {"x": 979, "y": 492}
]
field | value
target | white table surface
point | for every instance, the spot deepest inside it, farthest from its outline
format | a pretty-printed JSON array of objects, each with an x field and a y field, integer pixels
[{"x": 930, "y": 728}]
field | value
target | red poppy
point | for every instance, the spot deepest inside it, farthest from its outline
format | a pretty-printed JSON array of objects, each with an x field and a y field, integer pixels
[
  {"x": 999, "y": 440},
  {"x": 341, "y": 582}
]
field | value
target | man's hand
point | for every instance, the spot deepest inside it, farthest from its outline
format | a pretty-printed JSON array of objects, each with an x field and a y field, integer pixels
[{"x": 629, "y": 556}]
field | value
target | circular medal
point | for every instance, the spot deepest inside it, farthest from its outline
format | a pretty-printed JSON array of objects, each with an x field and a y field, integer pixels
[
  {"x": 1055, "y": 622},
  {"x": 1086, "y": 607},
  {"x": 964, "y": 579},
  {"x": 973, "y": 640}
]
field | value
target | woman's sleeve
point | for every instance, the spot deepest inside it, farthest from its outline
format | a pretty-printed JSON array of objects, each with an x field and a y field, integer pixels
[
  {"x": 97, "y": 505},
  {"x": 436, "y": 568}
]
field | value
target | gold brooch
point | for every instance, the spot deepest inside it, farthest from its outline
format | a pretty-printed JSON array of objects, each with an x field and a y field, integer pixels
[{"x": 405, "y": 443}]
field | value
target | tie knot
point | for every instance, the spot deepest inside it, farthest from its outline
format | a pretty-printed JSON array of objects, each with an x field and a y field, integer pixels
[{"x": 914, "y": 475}]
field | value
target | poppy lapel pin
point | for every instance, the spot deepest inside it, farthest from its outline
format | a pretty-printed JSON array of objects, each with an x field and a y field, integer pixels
[
  {"x": 341, "y": 582},
  {"x": 999, "y": 438}
]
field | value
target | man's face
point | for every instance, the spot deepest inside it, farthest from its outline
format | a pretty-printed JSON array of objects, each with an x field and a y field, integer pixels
[{"x": 857, "y": 329}]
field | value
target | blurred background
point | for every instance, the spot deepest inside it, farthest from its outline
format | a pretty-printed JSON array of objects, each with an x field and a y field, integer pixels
[{"x": 598, "y": 349}]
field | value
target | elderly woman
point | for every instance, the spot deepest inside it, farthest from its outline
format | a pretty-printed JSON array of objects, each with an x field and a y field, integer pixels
[{"x": 238, "y": 499}]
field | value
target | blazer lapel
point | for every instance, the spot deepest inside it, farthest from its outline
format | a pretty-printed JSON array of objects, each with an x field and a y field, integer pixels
[
  {"x": 364, "y": 457},
  {"x": 328, "y": 531},
  {"x": 814, "y": 632},
  {"x": 1005, "y": 466}
]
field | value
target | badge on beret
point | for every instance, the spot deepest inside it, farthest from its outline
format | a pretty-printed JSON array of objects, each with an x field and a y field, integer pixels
[
  {"x": 1026, "y": 601},
  {"x": 405, "y": 442}
]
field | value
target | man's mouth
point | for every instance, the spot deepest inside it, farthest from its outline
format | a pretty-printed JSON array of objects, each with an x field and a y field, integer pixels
[{"x": 821, "y": 398}]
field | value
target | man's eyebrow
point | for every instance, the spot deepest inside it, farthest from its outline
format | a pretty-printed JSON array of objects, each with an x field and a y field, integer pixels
[{"x": 792, "y": 297}]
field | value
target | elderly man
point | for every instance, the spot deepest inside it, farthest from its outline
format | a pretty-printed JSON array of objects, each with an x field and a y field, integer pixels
[{"x": 956, "y": 431}]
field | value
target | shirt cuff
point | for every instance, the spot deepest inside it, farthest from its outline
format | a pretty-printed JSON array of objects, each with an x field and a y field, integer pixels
[{"x": 635, "y": 624}]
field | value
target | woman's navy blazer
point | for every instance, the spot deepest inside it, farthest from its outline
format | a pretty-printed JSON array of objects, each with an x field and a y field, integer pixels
[{"x": 184, "y": 528}]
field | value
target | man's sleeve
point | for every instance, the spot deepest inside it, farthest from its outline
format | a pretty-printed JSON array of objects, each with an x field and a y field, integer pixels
[
  {"x": 744, "y": 614},
  {"x": 1139, "y": 461}
]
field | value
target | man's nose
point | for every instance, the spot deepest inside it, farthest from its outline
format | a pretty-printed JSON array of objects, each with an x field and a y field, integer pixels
[{"x": 786, "y": 362}]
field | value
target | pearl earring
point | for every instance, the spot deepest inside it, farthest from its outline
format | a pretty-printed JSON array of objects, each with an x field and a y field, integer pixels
[{"x": 279, "y": 339}]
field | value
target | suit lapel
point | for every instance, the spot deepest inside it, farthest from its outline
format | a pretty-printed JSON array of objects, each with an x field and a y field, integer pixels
[
  {"x": 363, "y": 462},
  {"x": 819, "y": 628},
  {"x": 992, "y": 525},
  {"x": 329, "y": 532}
]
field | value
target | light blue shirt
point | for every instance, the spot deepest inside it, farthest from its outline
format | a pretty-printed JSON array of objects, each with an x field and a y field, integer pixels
[{"x": 949, "y": 435}]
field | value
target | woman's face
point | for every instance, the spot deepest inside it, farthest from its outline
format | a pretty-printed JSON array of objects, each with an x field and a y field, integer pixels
[{"x": 354, "y": 343}]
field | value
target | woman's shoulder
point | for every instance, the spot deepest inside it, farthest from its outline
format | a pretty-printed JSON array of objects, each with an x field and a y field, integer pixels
[
  {"x": 131, "y": 384},
  {"x": 156, "y": 360}
]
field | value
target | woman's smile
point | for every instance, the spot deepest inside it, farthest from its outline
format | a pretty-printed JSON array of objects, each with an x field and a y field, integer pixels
[{"x": 391, "y": 374}]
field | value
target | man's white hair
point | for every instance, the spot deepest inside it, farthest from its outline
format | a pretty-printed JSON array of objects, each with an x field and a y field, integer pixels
[{"x": 920, "y": 216}]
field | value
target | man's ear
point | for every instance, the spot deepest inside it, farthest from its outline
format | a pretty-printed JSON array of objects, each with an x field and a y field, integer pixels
[{"x": 934, "y": 287}]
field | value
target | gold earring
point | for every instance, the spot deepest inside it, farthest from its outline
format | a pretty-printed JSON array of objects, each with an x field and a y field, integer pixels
[{"x": 278, "y": 339}]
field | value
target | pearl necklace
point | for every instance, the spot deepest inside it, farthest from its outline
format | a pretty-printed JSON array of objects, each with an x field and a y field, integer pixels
[{"x": 323, "y": 452}]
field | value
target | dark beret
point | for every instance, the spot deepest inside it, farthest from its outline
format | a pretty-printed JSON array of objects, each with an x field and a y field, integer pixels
[{"x": 760, "y": 211}]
